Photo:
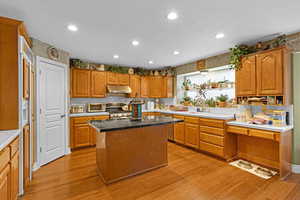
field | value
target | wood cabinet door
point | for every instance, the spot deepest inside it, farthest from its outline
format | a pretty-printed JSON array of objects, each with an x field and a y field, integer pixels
[
  {"x": 81, "y": 135},
  {"x": 144, "y": 86},
  {"x": 98, "y": 84},
  {"x": 270, "y": 73},
  {"x": 246, "y": 77},
  {"x": 14, "y": 169},
  {"x": 123, "y": 79},
  {"x": 169, "y": 87},
  {"x": 5, "y": 183},
  {"x": 192, "y": 135},
  {"x": 111, "y": 78},
  {"x": 81, "y": 83},
  {"x": 135, "y": 85},
  {"x": 156, "y": 86},
  {"x": 179, "y": 135},
  {"x": 26, "y": 155},
  {"x": 25, "y": 79}
]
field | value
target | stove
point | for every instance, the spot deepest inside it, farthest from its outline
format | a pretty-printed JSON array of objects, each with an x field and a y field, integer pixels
[{"x": 118, "y": 111}]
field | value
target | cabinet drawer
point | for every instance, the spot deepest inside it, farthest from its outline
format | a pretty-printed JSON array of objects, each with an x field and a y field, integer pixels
[
  {"x": 262, "y": 134},
  {"x": 213, "y": 139},
  {"x": 4, "y": 157},
  {"x": 212, "y": 123},
  {"x": 237, "y": 130},
  {"x": 14, "y": 147},
  {"x": 104, "y": 117},
  {"x": 193, "y": 120},
  {"x": 166, "y": 115},
  {"x": 81, "y": 120},
  {"x": 212, "y": 130},
  {"x": 179, "y": 117},
  {"x": 211, "y": 148}
]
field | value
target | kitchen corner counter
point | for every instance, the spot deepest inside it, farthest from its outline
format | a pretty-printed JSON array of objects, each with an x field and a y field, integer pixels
[
  {"x": 113, "y": 125},
  {"x": 6, "y": 137},
  {"x": 261, "y": 127},
  {"x": 85, "y": 114},
  {"x": 196, "y": 114}
]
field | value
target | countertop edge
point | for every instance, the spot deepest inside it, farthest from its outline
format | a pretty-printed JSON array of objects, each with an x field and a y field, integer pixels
[
  {"x": 11, "y": 135},
  {"x": 261, "y": 127},
  {"x": 88, "y": 114}
]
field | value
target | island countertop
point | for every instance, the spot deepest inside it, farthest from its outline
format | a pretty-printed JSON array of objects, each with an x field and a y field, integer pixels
[{"x": 113, "y": 125}]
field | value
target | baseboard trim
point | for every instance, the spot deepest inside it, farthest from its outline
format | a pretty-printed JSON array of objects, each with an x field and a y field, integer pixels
[
  {"x": 68, "y": 151},
  {"x": 296, "y": 169},
  {"x": 35, "y": 167}
]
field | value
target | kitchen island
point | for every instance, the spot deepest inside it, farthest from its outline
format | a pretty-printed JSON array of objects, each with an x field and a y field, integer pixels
[{"x": 126, "y": 148}]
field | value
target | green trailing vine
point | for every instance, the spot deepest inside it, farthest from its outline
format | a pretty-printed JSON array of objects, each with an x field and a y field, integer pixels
[{"x": 236, "y": 54}]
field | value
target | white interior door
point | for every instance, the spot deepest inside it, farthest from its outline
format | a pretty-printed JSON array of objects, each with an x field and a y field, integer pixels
[{"x": 52, "y": 93}]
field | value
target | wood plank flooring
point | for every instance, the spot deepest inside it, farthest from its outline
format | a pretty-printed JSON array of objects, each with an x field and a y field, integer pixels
[{"x": 189, "y": 176}]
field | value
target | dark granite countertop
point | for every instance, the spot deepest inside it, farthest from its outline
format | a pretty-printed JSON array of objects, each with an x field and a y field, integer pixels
[{"x": 113, "y": 125}]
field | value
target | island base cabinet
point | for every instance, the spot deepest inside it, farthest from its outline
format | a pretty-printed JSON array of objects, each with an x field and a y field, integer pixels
[
  {"x": 179, "y": 134},
  {"x": 5, "y": 183}
]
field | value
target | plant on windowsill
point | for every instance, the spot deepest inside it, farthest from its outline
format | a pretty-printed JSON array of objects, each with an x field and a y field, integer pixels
[
  {"x": 222, "y": 100},
  {"x": 210, "y": 102},
  {"x": 187, "y": 101},
  {"x": 187, "y": 84}
]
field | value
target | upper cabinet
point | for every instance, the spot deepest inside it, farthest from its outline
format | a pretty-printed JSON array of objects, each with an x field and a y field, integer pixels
[
  {"x": 135, "y": 85},
  {"x": 169, "y": 91},
  {"x": 266, "y": 73},
  {"x": 98, "y": 84},
  {"x": 246, "y": 77},
  {"x": 145, "y": 86},
  {"x": 156, "y": 86},
  {"x": 81, "y": 83},
  {"x": 117, "y": 79},
  {"x": 123, "y": 79},
  {"x": 270, "y": 73}
]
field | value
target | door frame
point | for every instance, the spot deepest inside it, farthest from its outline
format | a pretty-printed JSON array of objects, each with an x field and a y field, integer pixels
[{"x": 40, "y": 60}]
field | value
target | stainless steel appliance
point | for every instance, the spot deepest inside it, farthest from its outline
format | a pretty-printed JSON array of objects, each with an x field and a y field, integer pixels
[
  {"x": 118, "y": 90},
  {"x": 96, "y": 107},
  {"x": 77, "y": 108},
  {"x": 118, "y": 111}
]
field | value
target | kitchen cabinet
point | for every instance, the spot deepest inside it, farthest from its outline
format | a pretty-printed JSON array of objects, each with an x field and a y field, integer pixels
[
  {"x": 123, "y": 79},
  {"x": 81, "y": 83},
  {"x": 179, "y": 134},
  {"x": 25, "y": 79},
  {"x": 145, "y": 86},
  {"x": 270, "y": 73},
  {"x": 10, "y": 30},
  {"x": 26, "y": 155},
  {"x": 246, "y": 77},
  {"x": 98, "y": 84},
  {"x": 156, "y": 86},
  {"x": 117, "y": 79},
  {"x": 192, "y": 135},
  {"x": 81, "y": 133},
  {"x": 135, "y": 85},
  {"x": 169, "y": 87},
  {"x": 15, "y": 176},
  {"x": 4, "y": 183}
]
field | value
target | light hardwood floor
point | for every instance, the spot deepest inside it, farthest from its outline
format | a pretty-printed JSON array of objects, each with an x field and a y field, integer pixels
[{"x": 189, "y": 176}]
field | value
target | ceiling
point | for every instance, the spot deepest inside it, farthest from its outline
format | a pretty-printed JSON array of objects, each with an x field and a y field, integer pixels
[{"x": 107, "y": 27}]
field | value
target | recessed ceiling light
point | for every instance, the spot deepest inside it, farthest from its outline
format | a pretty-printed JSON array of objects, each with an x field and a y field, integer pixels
[
  {"x": 150, "y": 62},
  {"x": 220, "y": 35},
  {"x": 116, "y": 56},
  {"x": 135, "y": 43},
  {"x": 72, "y": 27},
  {"x": 172, "y": 16},
  {"x": 176, "y": 52}
]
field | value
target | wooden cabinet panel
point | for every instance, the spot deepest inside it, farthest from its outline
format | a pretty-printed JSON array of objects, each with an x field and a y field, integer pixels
[
  {"x": 26, "y": 155},
  {"x": 14, "y": 169},
  {"x": 82, "y": 136},
  {"x": 179, "y": 117},
  {"x": 169, "y": 87},
  {"x": 135, "y": 85},
  {"x": 262, "y": 134},
  {"x": 192, "y": 135},
  {"x": 25, "y": 79},
  {"x": 179, "y": 135},
  {"x": 237, "y": 130},
  {"x": 5, "y": 183},
  {"x": 213, "y": 139},
  {"x": 123, "y": 79},
  {"x": 81, "y": 120},
  {"x": 246, "y": 77},
  {"x": 270, "y": 73},
  {"x": 212, "y": 122},
  {"x": 111, "y": 78},
  {"x": 211, "y": 148},
  {"x": 98, "y": 84},
  {"x": 80, "y": 83},
  {"x": 212, "y": 130},
  {"x": 144, "y": 86},
  {"x": 4, "y": 157},
  {"x": 104, "y": 117},
  {"x": 193, "y": 120},
  {"x": 156, "y": 89},
  {"x": 14, "y": 147}
]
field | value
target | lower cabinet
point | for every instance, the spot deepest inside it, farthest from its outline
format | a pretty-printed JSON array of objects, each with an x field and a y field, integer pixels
[
  {"x": 4, "y": 183},
  {"x": 179, "y": 134},
  {"x": 192, "y": 135},
  {"x": 15, "y": 176},
  {"x": 81, "y": 133}
]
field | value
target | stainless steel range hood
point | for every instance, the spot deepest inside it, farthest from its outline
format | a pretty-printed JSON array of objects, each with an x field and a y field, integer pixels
[{"x": 118, "y": 89}]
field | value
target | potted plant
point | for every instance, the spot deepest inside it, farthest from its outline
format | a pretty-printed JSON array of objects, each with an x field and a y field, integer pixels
[
  {"x": 187, "y": 84},
  {"x": 187, "y": 101},
  {"x": 222, "y": 100},
  {"x": 210, "y": 102},
  {"x": 236, "y": 54}
]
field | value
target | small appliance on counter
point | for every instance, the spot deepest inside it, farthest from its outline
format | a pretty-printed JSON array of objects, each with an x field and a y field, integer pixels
[
  {"x": 96, "y": 107},
  {"x": 77, "y": 108},
  {"x": 136, "y": 109},
  {"x": 118, "y": 111}
]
